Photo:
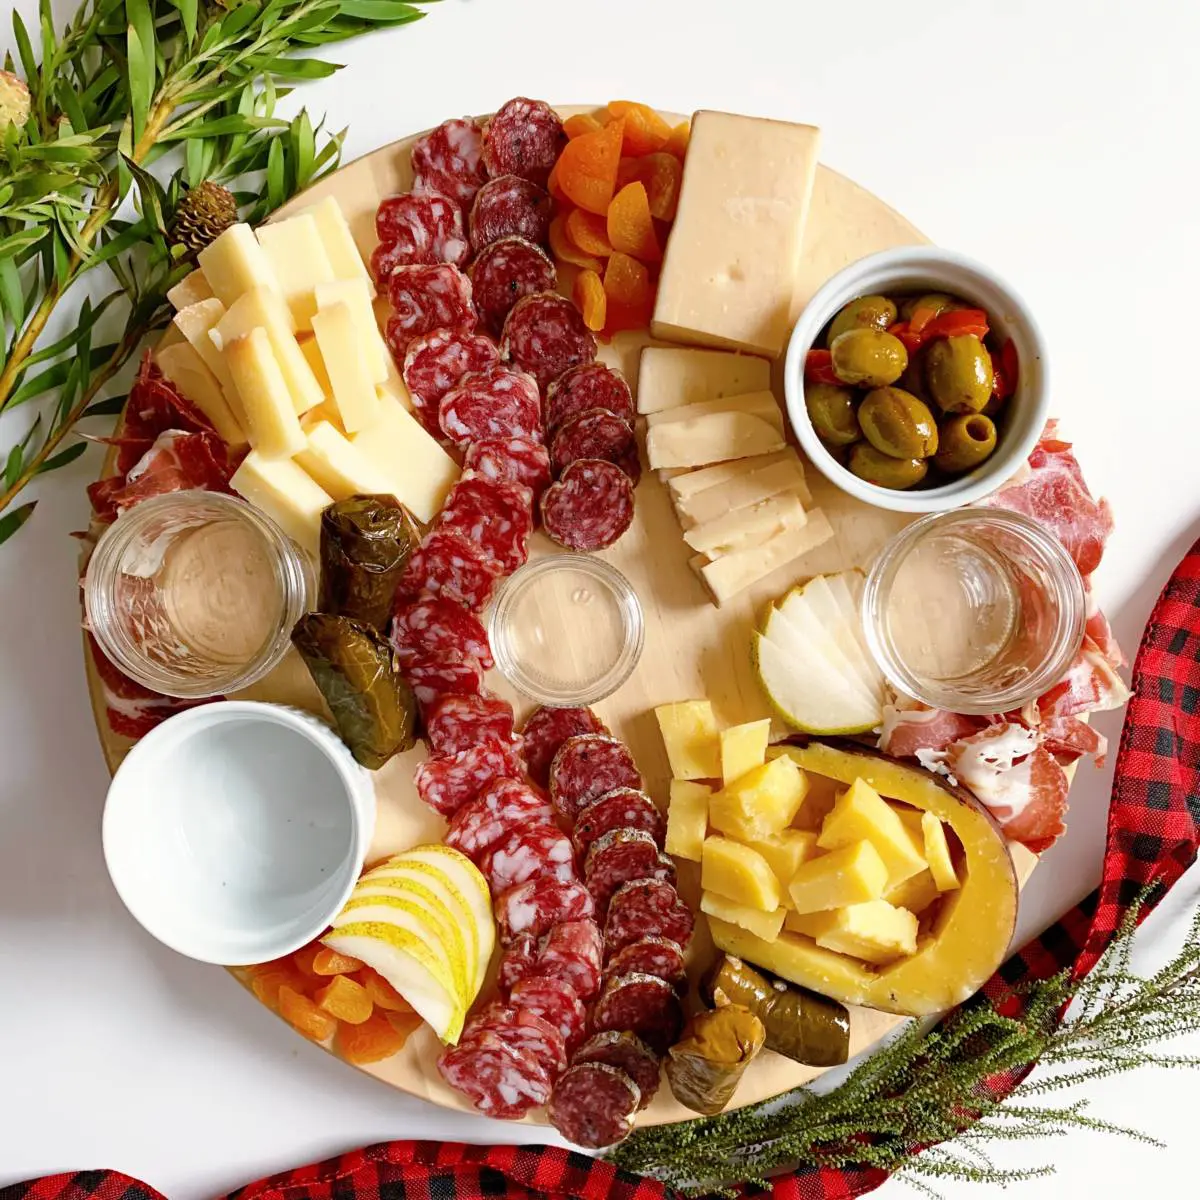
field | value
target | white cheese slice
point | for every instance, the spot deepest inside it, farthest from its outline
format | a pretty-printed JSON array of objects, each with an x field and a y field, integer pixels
[
  {"x": 716, "y": 437},
  {"x": 758, "y": 404},
  {"x": 235, "y": 263},
  {"x": 354, "y": 293},
  {"x": 316, "y": 364},
  {"x": 751, "y": 488},
  {"x": 286, "y": 494},
  {"x": 688, "y": 483},
  {"x": 196, "y": 323},
  {"x": 349, "y": 375},
  {"x": 338, "y": 240},
  {"x": 339, "y": 466},
  {"x": 731, "y": 260},
  {"x": 191, "y": 289},
  {"x": 298, "y": 258},
  {"x": 671, "y": 376},
  {"x": 746, "y": 527},
  {"x": 183, "y": 366},
  {"x": 271, "y": 421}
]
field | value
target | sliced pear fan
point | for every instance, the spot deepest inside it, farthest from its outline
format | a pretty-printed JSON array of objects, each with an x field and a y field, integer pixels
[
  {"x": 832, "y": 603},
  {"x": 801, "y": 634}
]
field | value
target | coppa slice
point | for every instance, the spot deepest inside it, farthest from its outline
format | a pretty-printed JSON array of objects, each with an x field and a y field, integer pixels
[
  {"x": 585, "y": 767},
  {"x": 537, "y": 905}
]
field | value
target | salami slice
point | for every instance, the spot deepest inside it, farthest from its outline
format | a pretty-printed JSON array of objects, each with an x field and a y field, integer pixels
[
  {"x": 590, "y": 507},
  {"x": 621, "y": 856},
  {"x": 455, "y": 723},
  {"x": 505, "y": 272},
  {"x": 422, "y": 227},
  {"x": 518, "y": 961},
  {"x": 496, "y": 517},
  {"x": 590, "y": 385},
  {"x": 439, "y": 626},
  {"x": 573, "y": 952},
  {"x": 524, "y": 138},
  {"x": 528, "y": 852},
  {"x": 622, "y": 808},
  {"x": 499, "y": 1081},
  {"x": 627, "y": 1052},
  {"x": 537, "y": 905},
  {"x": 650, "y": 956},
  {"x": 510, "y": 206},
  {"x": 501, "y": 806},
  {"x": 646, "y": 908},
  {"x": 594, "y": 1105},
  {"x": 446, "y": 566},
  {"x": 447, "y": 673},
  {"x": 596, "y": 433},
  {"x": 511, "y": 460},
  {"x": 522, "y": 1032},
  {"x": 585, "y": 767},
  {"x": 449, "y": 160},
  {"x": 545, "y": 335},
  {"x": 425, "y": 298},
  {"x": 555, "y": 1002},
  {"x": 641, "y": 1004},
  {"x": 448, "y": 781},
  {"x": 436, "y": 362},
  {"x": 496, "y": 402},
  {"x": 547, "y": 729}
]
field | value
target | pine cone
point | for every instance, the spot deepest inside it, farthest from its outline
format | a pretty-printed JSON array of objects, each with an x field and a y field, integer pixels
[
  {"x": 203, "y": 214},
  {"x": 14, "y": 100}
]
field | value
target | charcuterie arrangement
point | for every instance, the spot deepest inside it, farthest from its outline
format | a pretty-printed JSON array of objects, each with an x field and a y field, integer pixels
[{"x": 804, "y": 808}]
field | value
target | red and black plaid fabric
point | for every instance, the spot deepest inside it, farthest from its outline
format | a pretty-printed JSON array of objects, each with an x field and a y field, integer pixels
[{"x": 1153, "y": 835}]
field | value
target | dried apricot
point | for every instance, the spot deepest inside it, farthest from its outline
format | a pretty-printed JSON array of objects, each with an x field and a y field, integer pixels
[
  {"x": 630, "y": 293},
  {"x": 566, "y": 251},
  {"x": 628, "y": 170},
  {"x": 590, "y": 299},
  {"x": 306, "y": 956},
  {"x": 375, "y": 1039},
  {"x": 303, "y": 1015},
  {"x": 581, "y": 123},
  {"x": 343, "y": 998},
  {"x": 553, "y": 188},
  {"x": 382, "y": 994},
  {"x": 662, "y": 174},
  {"x": 266, "y": 984},
  {"x": 404, "y": 1022},
  {"x": 330, "y": 962},
  {"x": 630, "y": 226},
  {"x": 645, "y": 130},
  {"x": 586, "y": 171},
  {"x": 677, "y": 144},
  {"x": 588, "y": 232}
]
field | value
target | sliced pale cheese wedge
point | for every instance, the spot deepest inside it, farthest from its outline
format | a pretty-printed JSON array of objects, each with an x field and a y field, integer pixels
[
  {"x": 271, "y": 421},
  {"x": 191, "y": 289},
  {"x": 757, "y": 404},
  {"x": 670, "y": 376},
  {"x": 801, "y": 635},
  {"x": 183, "y": 366},
  {"x": 354, "y": 293},
  {"x": 717, "y": 437},
  {"x": 351, "y": 378},
  {"x": 312, "y": 355},
  {"x": 338, "y": 240},
  {"x": 744, "y": 491},
  {"x": 818, "y": 596},
  {"x": 286, "y": 494},
  {"x": 297, "y": 256},
  {"x": 685, "y": 483},
  {"x": 234, "y": 263},
  {"x": 339, "y": 466},
  {"x": 746, "y": 527},
  {"x": 196, "y": 323}
]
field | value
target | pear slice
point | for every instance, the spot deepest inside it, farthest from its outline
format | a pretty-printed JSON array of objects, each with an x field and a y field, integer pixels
[
  {"x": 845, "y": 628},
  {"x": 800, "y": 633},
  {"x": 847, "y": 591}
]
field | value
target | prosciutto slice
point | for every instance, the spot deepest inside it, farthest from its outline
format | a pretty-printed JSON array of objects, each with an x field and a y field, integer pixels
[{"x": 908, "y": 731}]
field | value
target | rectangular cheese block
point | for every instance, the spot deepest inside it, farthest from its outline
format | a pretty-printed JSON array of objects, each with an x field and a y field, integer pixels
[
  {"x": 271, "y": 421},
  {"x": 757, "y": 404},
  {"x": 349, "y": 375},
  {"x": 743, "y": 491},
  {"x": 286, "y": 494},
  {"x": 354, "y": 293},
  {"x": 183, "y": 366},
  {"x": 235, "y": 263},
  {"x": 688, "y": 483},
  {"x": 671, "y": 376},
  {"x": 191, "y": 289},
  {"x": 196, "y": 323},
  {"x": 297, "y": 256},
  {"x": 731, "y": 261},
  {"x": 716, "y": 437},
  {"x": 746, "y": 527},
  {"x": 339, "y": 241},
  {"x": 339, "y": 466}
]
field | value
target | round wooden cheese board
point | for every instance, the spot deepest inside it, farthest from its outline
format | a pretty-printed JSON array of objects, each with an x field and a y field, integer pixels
[{"x": 692, "y": 648}]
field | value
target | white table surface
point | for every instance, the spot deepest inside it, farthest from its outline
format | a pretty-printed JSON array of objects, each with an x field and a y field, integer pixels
[{"x": 1052, "y": 140}]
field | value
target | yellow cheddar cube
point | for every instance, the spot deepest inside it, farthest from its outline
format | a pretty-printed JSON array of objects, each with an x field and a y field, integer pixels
[
  {"x": 689, "y": 733},
  {"x": 761, "y": 924},
  {"x": 849, "y": 875},
  {"x": 860, "y": 813},
  {"x": 687, "y": 819},
  {"x": 910, "y": 818},
  {"x": 784, "y": 852},
  {"x": 916, "y": 893},
  {"x": 875, "y": 931},
  {"x": 762, "y": 802},
  {"x": 812, "y": 925},
  {"x": 739, "y": 873},
  {"x": 937, "y": 853},
  {"x": 743, "y": 747}
]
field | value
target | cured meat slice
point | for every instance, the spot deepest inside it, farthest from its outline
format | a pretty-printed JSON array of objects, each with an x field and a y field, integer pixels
[
  {"x": 641, "y": 1004},
  {"x": 546, "y": 730},
  {"x": 449, "y": 160},
  {"x": 436, "y": 362},
  {"x": 496, "y": 402},
  {"x": 436, "y": 625},
  {"x": 650, "y": 956},
  {"x": 512, "y": 460},
  {"x": 425, "y": 298},
  {"x": 596, "y": 433},
  {"x": 503, "y": 273},
  {"x": 646, "y": 908},
  {"x": 528, "y": 852},
  {"x": 594, "y": 1105},
  {"x": 573, "y": 952},
  {"x": 590, "y": 385},
  {"x": 585, "y": 767},
  {"x": 444, "y": 674},
  {"x": 501, "y": 806},
  {"x": 524, "y": 138},
  {"x": 545, "y": 335},
  {"x": 627, "y": 1052},
  {"x": 497, "y": 517},
  {"x": 523, "y": 1032},
  {"x": 422, "y": 227},
  {"x": 454, "y": 723},
  {"x": 621, "y": 856},
  {"x": 448, "y": 781},
  {"x": 537, "y": 905},
  {"x": 518, "y": 961},
  {"x": 590, "y": 507},
  {"x": 555, "y": 1002},
  {"x": 510, "y": 206},
  {"x": 622, "y": 808},
  {"x": 499, "y": 1081},
  {"x": 446, "y": 566}
]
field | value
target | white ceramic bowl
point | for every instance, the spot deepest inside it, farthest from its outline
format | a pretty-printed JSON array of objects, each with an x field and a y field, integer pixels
[
  {"x": 929, "y": 268},
  {"x": 235, "y": 831}
]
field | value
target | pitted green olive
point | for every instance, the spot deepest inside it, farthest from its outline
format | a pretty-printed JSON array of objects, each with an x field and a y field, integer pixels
[
  {"x": 939, "y": 302},
  {"x": 896, "y": 423},
  {"x": 868, "y": 357},
  {"x": 967, "y": 439},
  {"x": 913, "y": 379},
  {"x": 831, "y": 411},
  {"x": 867, "y": 312},
  {"x": 958, "y": 371},
  {"x": 884, "y": 471}
]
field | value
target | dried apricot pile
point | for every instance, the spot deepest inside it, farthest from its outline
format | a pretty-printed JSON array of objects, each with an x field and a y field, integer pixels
[{"x": 617, "y": 186}]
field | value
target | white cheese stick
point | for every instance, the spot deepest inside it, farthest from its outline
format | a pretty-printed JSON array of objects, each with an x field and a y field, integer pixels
[
  {"x": 271, "y": 421},
  {"x": 717, "y": 437},
  {"x": 749, "y": 526},
  {"x": 234, "y": 263},
  {"x": 339, "y": 466},
  {"x": 354, "y": 293},
  {"x": 191, "y": 289},
  {"x": 286, "y": 494},
  {"x": 690, "y": 482},
  {"x": 339, "y": 241},
  {"x": 349, "y": 374},
  {"x": 297, "y": 256},
  {"x": 741, "y": 492}
]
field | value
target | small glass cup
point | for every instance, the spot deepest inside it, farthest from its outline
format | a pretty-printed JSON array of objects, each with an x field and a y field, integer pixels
[
  {"x": 567, "y": 629},
  {"x": 979, "y": 610},
  {"x": 195, "y": 593}
]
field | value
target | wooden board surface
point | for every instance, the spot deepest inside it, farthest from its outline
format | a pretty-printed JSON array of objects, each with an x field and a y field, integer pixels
[{"x": 692, "y": 648}]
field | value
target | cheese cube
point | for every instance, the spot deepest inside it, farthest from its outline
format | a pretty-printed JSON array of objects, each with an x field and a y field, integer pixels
[
  {"x": 784, "y": 852},
  {"x": 286, "y": 494},
  {"x": 687, "y": 819},
  {"x": 811, "y": 925},
  {"x": 937, "y": 853},
  {"x": 910, "y": 817},
  {"x": 711, "y": 438},
  {"x": 234, "y": 263},
  {"x": 191, "y": 289},
  {"x": 689, "y": 733},
  {"x": 756, "y": 404},
  {"x": 874, "y": 931},
  {"x": 859, "y": 814},
  {"x": 850, "y": 875},
  {"x": 353, "y": 385},
  {"x": 195, "y": 323},
  {"x": 761, "y": 924},
  {"x": 271, "y": 421},
  {"x": 297, "y": 256},
  {"x": 354, "y": 293},
  {"x": 339, "y": 466},
  {"x": 743, "y": 491},
  {"x": 731, "y": 260},
  {"x": 739, "y": 873},
  {"x": 744, "y": 528},
  {"x": 670, "y": 376},
  {"x": 743, "y": 747},
  {"x": 338, "y": 241},
  {"x": 916, "y": 893},
  {"x": 183, "y": 366},
  {"x": 761, "y": 802}
]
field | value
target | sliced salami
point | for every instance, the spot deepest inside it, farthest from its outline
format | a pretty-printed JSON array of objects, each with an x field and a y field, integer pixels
[
  {"x": 446, "y": 566},
  {"x": 449, "y": 160},
  {"x": 447, "y": 673},
  {"x": 496, "y": 402},
  {"x": 539, "y": 904},
  {"x": 497, "y": 517},
  {"x": 627, "y": 1052},
  {"x": 594, "y": 1105},
  {"x": 448, "y": 781},
  {"x": 641, "y": 1004},
  {"x": 501, "y": 806},
  {"x": 545, "y": 335},
  {"x": 573, "y": 951},
  {"x": 512, "y": 460},
  {"x": 455, "y": 723},
  {"x": 422, "y": 227},
  {"x": 499, "y": 1081},
  {"x": 547, "y": 729},
  {"x": 523, "y": 1032},
  {"x": 555, "y": 1002},
  {"x": 650, "y": 956},
  {"x": 590, "y": 385},
  {"x": 510, "y": 206},
  {"x": 622, "y": 808},
  {"x": 528, "y": 852},
  {"x": 436, "y": 625},
  {"x": 621, "y": 856},
  {"x": 425, "y": 298},
  {"x": 519, "y": 961},
  {"x": 596, "y": 433},
  {"x": 433, "y": 364},
  {"x": 646, "y": 908},
  {"x": 590, "y": 507},
  {"x": 586, "y": 766},
  {"x": 524, "y": 138},
  {"x": 505, "y": 272}
]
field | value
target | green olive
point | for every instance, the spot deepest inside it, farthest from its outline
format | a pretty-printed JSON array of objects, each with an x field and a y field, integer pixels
[
  {"x": 913, "y": 379},
  {"x": 895, "y": 422},
  {"x": 959, "y": 373},
  {"x": 839, "y": 454},
  {"x": 831, "y": 411},
  {"x": 967, "y": 439},
  {"x": 884, "y": 471},
  {"x": 867, "y": 312},
  {"x": 868, "y": 357},
  {"x": 938, "y": 301}
]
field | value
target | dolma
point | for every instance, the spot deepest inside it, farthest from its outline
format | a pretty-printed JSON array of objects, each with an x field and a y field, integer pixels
[{"x": 707, "y": 1063}]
